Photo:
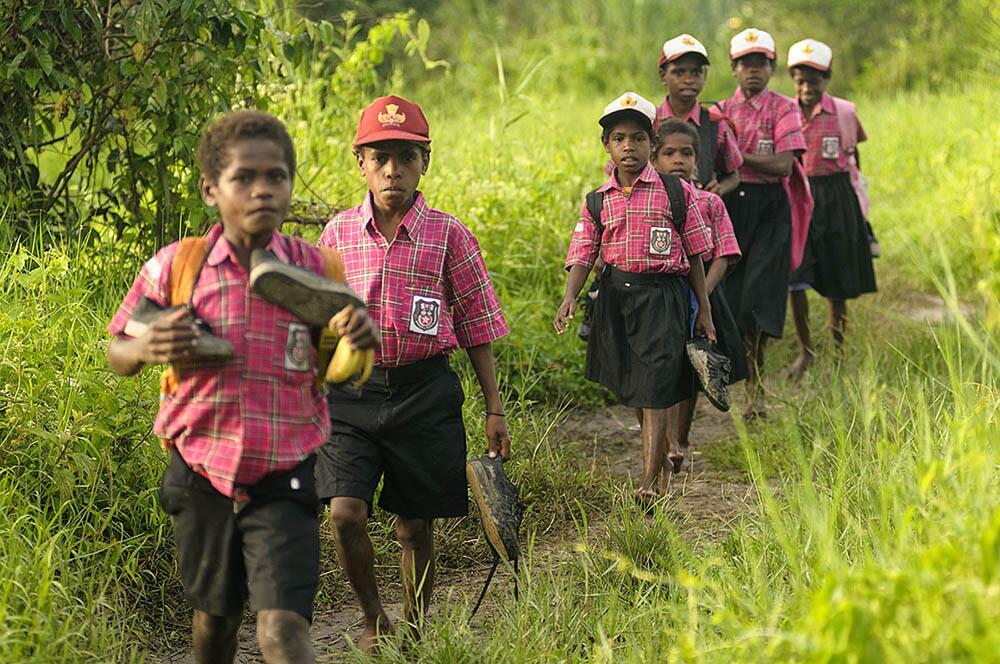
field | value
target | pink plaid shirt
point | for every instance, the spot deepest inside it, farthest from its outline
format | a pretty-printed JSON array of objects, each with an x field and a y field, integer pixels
[
  {"x": 261, "y": 412},
  {"x": 724, "y": 244},
  {"x": 728, "y": 157},
  {"x": 639, "y": 233},
  {"x": 825, "y": 154},
  {"x": 428, "y": 288},
  {"x": 767, "y": 123}
]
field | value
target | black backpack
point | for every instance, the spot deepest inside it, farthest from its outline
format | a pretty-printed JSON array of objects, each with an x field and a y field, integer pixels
[
  {"x": 708, "y": 135},
  {"x": 675, "y": 192}
]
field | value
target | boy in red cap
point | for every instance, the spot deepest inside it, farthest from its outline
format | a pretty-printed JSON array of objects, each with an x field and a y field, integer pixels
[
  {"x": 422, "y": 274},
  {"x": 243, "y": 425},
  {"x": 769, "y": 133},
  {"x": 683, "y": 67}
]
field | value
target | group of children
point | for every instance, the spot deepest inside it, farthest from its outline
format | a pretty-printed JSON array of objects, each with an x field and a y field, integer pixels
[
  {"x": 257, "y": 443},
  {"x": 770, "y": 204}
]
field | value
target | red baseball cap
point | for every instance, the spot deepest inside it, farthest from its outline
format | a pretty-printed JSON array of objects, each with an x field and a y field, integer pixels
[{"x": 391, "y": 118}]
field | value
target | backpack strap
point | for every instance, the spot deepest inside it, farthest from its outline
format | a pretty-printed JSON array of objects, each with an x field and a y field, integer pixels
[
  {"x": 595, "y": 204},
  {"x": 333, "y": 264},
  {"x": 708, "y": 136},
  {"x": 675, "y": 192},
  {"x": 185, "y": 268}
]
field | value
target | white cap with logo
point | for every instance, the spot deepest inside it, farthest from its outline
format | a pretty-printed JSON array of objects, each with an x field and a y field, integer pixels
[
  {"x": 682, "y": 45},
  {"x": 630, "y": 101},
  {"x": 750, "y": 41},
  {"x": 810, "y": 53}
]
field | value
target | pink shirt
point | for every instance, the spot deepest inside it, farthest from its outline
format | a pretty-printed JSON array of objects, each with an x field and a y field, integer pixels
[
  {"x": 724, "y": 244},
  {"x": 260, "y": 413},
  {"x": 428, "y": 289},
  {"x": 639, "y": 233},
  {"x": 825, "y": 154},
  {"x": 767, "y": 123},
  {"x": 728, "y": 157}
]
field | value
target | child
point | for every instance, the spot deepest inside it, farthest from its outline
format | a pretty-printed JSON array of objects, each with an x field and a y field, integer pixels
[
  {"x": 421, "y": 272},
  {"x": 769, "y": 132},
  {"x": 838, "y": 259},
  {"x": 239, "y": 484},
  {"x": 642, "y": 314},
  {"x": 676, "y": 153},
  {"x": 683, "y": 66}
]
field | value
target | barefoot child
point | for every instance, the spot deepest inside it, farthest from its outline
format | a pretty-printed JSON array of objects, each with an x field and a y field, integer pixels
[
  {"x": 642, "y": 314},
  {"x": 422, "y": 274},
  {"x": 838, "y": 259},
  {"x": 683, "y": 67},
  {"x": 243, "y": 423},
  {"x": 769, "y": 132},
  {"x": 676, "y": 153}
]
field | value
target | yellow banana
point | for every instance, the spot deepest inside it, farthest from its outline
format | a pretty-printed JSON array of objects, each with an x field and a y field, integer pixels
[{"x": 348, "y": 362}]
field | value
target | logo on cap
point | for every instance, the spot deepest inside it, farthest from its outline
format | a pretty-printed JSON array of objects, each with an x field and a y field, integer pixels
[
  {"x": 629, "y": 101},
  {"x": 687, "y": 41},
  {"x": 751, "y": 37},
  {"x": 392, "y": 116},
  {"x": 808, "y": 48}
]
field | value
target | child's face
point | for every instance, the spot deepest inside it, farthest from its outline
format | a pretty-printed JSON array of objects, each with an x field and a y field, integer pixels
[
  {"x": 810, "y": 85},
  {"x": 392, "y": 170},
  {"x": 629, "y": 146},
  {"x": 753, "y": 72},
  {"x": 676, "y": 156},
  {"x": 253, "y": 191},
  {"x": 684, "y": 78}
]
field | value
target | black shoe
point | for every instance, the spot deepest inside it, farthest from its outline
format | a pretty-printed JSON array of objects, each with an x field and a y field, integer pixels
[
  {"x": 310, "y": 297},
  {"x": 499, "y": 505},
  {"x": 712, "y": 369},
  {"x": 208, "y": 348}
]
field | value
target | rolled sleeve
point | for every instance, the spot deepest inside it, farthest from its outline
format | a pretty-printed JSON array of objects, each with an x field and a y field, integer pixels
[
  {"x": 723, "y": 235},
  {"x": 788, "y": 136},
  {"x": 152, "y": 282},
  {"x": 696, "y": 238},
  {"x": 476, "y": 311},
  {"x": 584, "y": 245}
]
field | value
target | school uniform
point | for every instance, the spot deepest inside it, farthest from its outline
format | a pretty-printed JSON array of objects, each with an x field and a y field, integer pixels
[
  {"x": 724, "y": 248},
  {"x": 757, "y": 286},
  {"x": 837, "y": 261},
  {"x": 239, "y": 484},
  {"x": 728, "y": 157},
  {"x": 429, "y": 292},
  {"x": 642, "y": 315}
]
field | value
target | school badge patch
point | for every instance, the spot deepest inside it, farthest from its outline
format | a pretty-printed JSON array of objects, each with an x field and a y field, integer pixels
[
  {"x": 425, "y": 315},
  {"x": 765, "y": 146},
  {"x": 831, "y": 147},
  {"x": 660, "y": 240},
  {"x": 297, "y": 347}
]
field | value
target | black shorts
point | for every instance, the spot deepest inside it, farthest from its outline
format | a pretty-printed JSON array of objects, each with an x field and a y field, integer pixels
[
  {"x": 267, "y": 549},
  {"x": 404, "y": 428}
]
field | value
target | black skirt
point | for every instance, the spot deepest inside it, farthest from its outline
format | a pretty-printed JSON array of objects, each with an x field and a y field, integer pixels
[
  {"x": 637, "y": 339},
  {"x": 837, "y": 262},
  {"x": 728, "y": 338},
  {"x": 757, "y": 286}
]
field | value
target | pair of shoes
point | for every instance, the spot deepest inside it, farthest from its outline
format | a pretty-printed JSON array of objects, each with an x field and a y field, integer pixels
[
  {"x": 209, "y": 349},
  {"x": 712, "y": 368},
  {"x": 312, "y": 298}
]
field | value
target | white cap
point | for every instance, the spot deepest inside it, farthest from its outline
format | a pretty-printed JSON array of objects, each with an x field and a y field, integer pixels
[
  {"x": 682, "y": 45},
  {"x": 749, "y": 41},
  {"x": 630, "y": 101},
  {"x": 810, "y": 53}
]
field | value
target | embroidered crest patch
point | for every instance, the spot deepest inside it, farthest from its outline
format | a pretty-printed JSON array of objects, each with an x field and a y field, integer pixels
[
  {"x": 831, "y": 147},
  {"x": 425, "y": 315},
  {"x": 297, "y": 347},
  {"x": 765, "y": 146},
  {"x": 660, "y": 240}
]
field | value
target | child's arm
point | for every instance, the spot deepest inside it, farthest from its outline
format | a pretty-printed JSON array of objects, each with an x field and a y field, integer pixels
[
  {"x": 728, "y": 183},
  {"x": 497, "y": 436},
  {"x": 770, "y": 164},
  {"x": 696, "y": 278},
  {"x": 574, "y": 284},
  {"x": 168, "y": 339},
  {"x": 715, "y": 274}
]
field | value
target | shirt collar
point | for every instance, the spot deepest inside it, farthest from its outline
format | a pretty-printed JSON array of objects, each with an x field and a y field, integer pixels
[
  {"x": 648, "y": 174},
  {"x": 412, "y": 220},
  {"x": 694, "y": 115},
  {"x": 756, "y": 102},
  {"x": 827, "y": 105},
  {"x": 221, "y": 249}
]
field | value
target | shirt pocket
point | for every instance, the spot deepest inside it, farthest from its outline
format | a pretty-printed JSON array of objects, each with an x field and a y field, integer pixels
[
  {"x": 425, "y": 312},
  {"x": 658, "y": 235}
]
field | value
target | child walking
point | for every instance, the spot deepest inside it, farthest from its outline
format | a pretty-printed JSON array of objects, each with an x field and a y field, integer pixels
[
  {"x": 676, "y": 152},
  {"x": 651, "y": 236},
  {"x": 244, "y": 414},
  {"x": 769, "y": 132},
  {"x": 422, "y": 274},
  {"x": 837, "y": 262},
  {"x": 683, "y": 67}
]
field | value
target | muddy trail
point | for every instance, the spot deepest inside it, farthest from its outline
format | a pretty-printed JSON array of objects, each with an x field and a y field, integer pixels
[{"x": 706, "y": 499}]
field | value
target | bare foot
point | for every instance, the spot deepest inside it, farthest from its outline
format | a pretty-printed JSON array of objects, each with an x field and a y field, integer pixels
[
  {"x": 368, "y": 642},
  {"x": 666, "y": 481},
  {"x": 646, "y": 496},
  {"x": 799, "y": 366}
]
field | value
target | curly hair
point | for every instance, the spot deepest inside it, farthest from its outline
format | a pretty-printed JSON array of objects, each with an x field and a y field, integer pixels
[{"x": 218, "y": 138}]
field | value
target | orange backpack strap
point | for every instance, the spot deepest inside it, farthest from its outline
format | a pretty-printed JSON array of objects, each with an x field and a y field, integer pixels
[
  {"x": 186, "y": 267},
  {"x": 333, "y": 264}
]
